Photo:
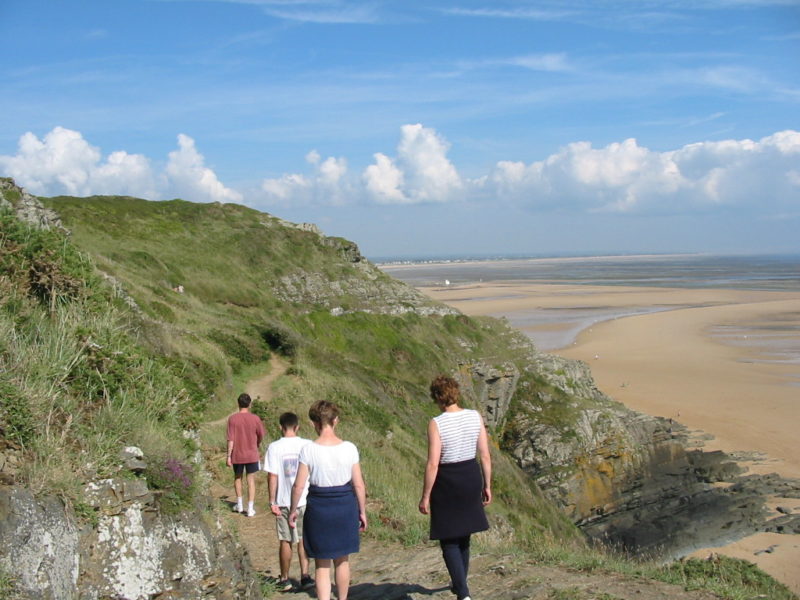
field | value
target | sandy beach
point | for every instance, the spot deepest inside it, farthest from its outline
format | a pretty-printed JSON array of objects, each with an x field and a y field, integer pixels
[{"x": 715, "y": 360}]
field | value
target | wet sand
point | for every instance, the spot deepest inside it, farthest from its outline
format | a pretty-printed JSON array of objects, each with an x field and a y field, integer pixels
[{"x": 675, "y": 363}]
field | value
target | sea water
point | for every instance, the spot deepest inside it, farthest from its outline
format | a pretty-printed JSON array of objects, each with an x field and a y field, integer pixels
[{"x": 555, "y": 328}]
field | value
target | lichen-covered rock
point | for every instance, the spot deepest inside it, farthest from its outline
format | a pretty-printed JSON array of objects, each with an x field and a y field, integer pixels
[
  {"x": 133, "y": 551},
  {"x": 40, "y": 545},
  {"x": 27, "y": 207}
]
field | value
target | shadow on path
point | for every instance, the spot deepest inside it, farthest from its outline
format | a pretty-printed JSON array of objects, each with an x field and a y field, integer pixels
[{"x": 390, "y": 591}]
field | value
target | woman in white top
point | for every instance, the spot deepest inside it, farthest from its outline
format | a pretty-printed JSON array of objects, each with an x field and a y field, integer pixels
[
  {"x": 456, "y": 488},
  {"x": 336, "y": 504}
]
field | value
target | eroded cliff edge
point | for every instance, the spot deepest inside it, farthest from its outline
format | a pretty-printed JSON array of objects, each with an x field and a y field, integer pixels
[{"x": 632, "y": 481}]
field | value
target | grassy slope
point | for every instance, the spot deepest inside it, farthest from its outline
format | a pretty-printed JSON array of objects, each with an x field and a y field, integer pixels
[
  {"x": 75, "y": 383},
  {"x": 174, "y": 364},
  {"x": 377, "y": 367}
]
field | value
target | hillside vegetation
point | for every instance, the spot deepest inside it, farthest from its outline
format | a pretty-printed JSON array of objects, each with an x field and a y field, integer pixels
[
  {"x": 147, "y": 319},
  {"x": 253, "y": 285}
]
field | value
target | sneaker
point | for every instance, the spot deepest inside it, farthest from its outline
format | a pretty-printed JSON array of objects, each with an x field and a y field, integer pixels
[
  {"x": 251, "y": 512},
  {"x": 284, "y": 585},
  {"x": 237, "y": 508},
  {"x": 306, "y": 582}
]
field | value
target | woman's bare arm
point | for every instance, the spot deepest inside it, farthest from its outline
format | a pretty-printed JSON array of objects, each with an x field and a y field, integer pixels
[
  {"x": 486, "y": 463},
  {"x": 431, "y": 467},
  {"x": 361, "y": 494},
  {"x": 297, "y": 491}
]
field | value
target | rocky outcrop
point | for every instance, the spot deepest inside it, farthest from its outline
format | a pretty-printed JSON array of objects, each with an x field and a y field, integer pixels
[
  {"x": 365, "y": 289},
  {"x": 628, "y": 479},
  {"x": 310, "y": 227},
  {"x": 117, "y": 542},
  {"x": 126, "y": 549},
  {"x": 27, "y": 207},
  {"x": 491, "y": 388}
]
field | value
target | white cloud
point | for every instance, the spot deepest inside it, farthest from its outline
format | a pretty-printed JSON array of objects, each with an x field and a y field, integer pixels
[
  {"x": 549, "y": 62},
  {"x": 759, "y": 177},
  {"x": 328, "y": 184},
  {"x": 384, "y": 181},
  {"x": 421, "y": 173},
  {"x": 191, "y": 179},
  {"x": 63, "y": 162},
  {"x": 543, "y": 62},
  {"x": 627, "y": 177},
  {"x": 512, "y": 13}
]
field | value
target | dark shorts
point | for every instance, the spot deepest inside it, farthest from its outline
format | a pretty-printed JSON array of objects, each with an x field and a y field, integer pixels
[{"x": 242, "y": 467}]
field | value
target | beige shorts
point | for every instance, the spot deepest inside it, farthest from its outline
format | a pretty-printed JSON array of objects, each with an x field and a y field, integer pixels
[{"x": 286, "y": 533}]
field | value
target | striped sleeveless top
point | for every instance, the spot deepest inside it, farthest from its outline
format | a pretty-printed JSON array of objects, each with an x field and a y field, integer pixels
[{"x": 459, "y": 432}]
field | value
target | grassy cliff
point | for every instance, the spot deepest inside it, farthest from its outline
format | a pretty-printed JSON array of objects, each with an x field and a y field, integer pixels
[
  {"x": 252, "y": 285},
  {"x": 147, "y": 318}
]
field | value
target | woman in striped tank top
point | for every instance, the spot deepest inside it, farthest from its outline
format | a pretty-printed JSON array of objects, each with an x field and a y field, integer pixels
[{"x": 456, "y": 488}]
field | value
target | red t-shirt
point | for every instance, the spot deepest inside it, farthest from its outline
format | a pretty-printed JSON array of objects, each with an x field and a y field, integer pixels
[{"x": 246, "y": 431}]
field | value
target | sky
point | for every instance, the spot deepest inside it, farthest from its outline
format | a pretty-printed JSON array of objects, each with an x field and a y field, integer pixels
[{"x": 423, "y": 129}]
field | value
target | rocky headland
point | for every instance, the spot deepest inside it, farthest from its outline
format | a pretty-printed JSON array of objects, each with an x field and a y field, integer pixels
[{"x": 634, "y": 482}]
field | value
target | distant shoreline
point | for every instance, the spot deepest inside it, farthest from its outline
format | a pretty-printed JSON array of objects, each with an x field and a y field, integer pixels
[
  {"x": 400, "y": 263},
  {"x": 695, "y": 271},
  {"x": 433, "y": 261}
]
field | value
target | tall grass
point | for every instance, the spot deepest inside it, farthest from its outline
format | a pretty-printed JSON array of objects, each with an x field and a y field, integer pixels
[{"x": 76, "y": 385}]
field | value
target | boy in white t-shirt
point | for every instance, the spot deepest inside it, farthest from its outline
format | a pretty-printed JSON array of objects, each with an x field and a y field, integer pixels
[{"x": 281, "y": 462}]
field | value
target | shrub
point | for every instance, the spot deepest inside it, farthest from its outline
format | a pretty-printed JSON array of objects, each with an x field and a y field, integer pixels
[
  {"x": 175, "y": 478},
  {"x": 281, "y": 339},
  {"x": 244, "y": 351}
]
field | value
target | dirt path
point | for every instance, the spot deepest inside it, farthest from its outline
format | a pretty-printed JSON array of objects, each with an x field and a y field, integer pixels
[
  {"x": 389, "y": 572},
  {"x": 384, "y": 571},
  {"x": 256, "y": 533}
]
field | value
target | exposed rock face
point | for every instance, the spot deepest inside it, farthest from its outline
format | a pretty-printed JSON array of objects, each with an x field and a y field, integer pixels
[
  {"x": 27, "y": 207},
  {"x": 310, "y": 227},
  {"x": 133, "y": 551},
  {"x": 41, "y": 545},
  {"x": 492, "y": 389},
  {"x": 625, "y": 478},
  {"x": 365, "y": 290}
]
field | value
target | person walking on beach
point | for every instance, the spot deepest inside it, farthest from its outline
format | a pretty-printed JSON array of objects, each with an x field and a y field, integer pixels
[
  {"x": 456, "y": 488},
  {"x": 281, "y": 462},
  {"x": 245, "y": 432},
  {"x": 336, "y": 505}
]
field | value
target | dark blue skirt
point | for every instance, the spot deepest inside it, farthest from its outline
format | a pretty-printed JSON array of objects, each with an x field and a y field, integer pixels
[
  {"x": 457, "y": 501},
  {"x": 330, "y": 525}
]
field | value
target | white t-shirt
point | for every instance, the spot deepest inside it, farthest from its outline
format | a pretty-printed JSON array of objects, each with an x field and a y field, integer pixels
[
  {"x": 281, "y": 459},
  {"x": 329, "y": 465}
]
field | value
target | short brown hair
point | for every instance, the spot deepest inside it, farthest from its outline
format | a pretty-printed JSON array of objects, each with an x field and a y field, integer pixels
[
  {"x": 288, "y": 420},
  {"x": 244, "y": 400},
  {"x": 444, "y": 390},
  {"x": 323, "y": 413}
]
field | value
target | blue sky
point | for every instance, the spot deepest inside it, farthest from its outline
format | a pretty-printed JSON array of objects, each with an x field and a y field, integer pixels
[{"x": 439, "y": 128}]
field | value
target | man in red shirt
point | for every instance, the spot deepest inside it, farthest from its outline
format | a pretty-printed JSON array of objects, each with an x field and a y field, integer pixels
[{"x": 245, "y": 432}]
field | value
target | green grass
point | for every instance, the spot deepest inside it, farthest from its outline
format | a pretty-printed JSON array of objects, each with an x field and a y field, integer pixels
[
  {"x": 7, "y": 584},
  {"x": 139, "y": 377},
  {"x": 76, "y": 383},
  {"x": 728, "y": 578}
]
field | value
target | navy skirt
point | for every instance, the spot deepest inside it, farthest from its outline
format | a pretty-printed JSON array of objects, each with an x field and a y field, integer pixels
[
  {"x": 457, "y": 501},
  {"x": 330, "y": 524}
]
